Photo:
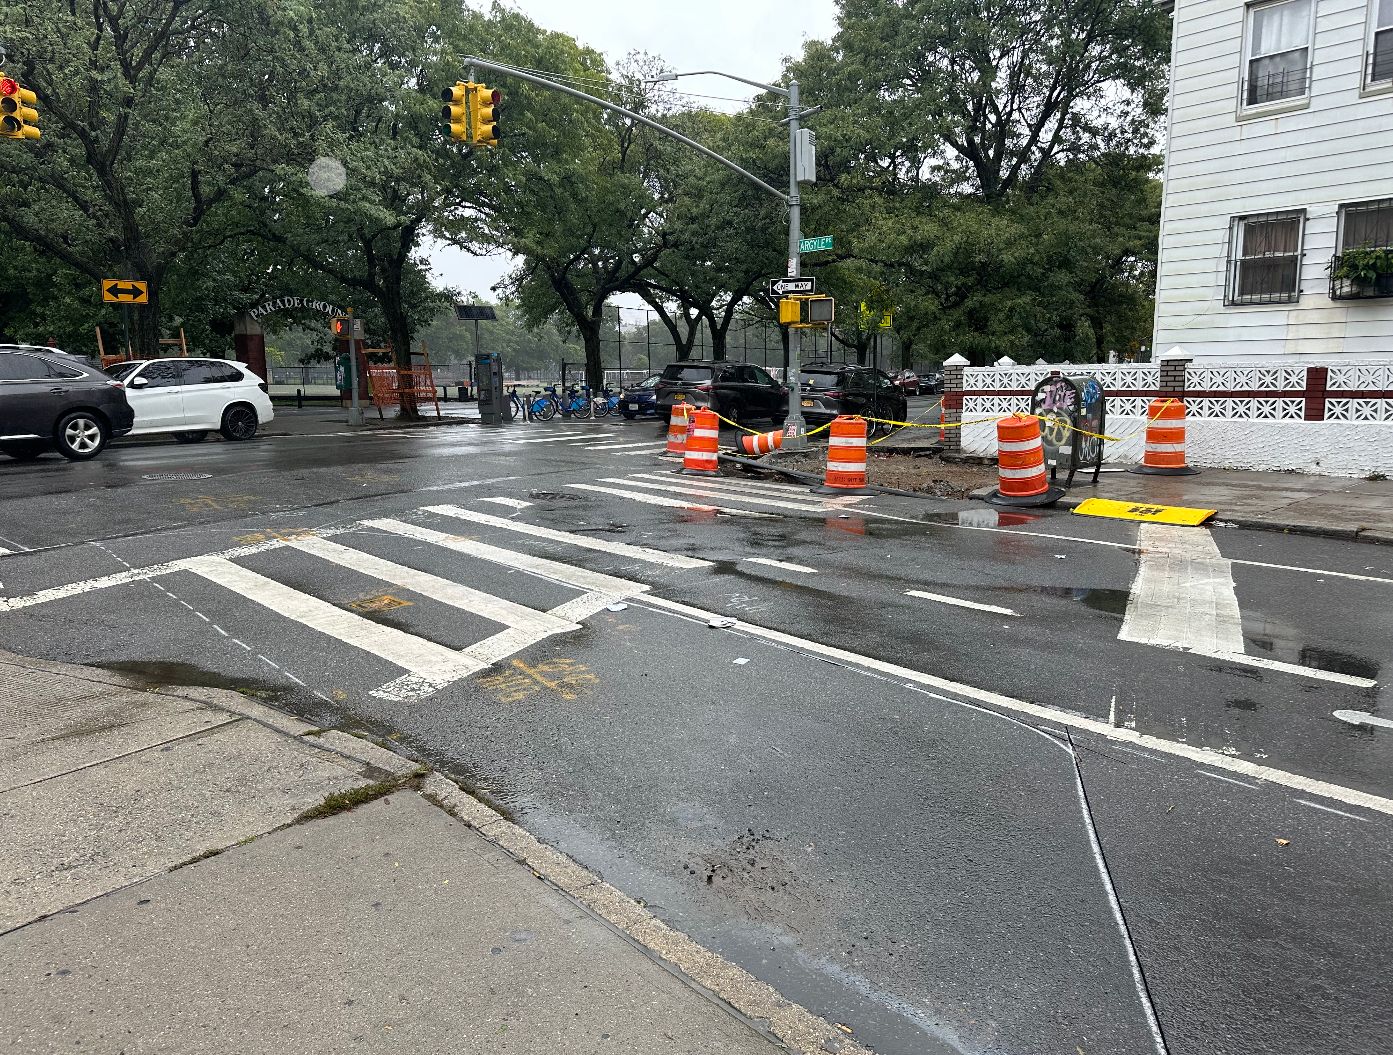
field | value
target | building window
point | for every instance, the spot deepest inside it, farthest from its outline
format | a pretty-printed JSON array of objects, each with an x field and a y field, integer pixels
[
  {"x": 1363, "y": 266},
  {"x": 1264, "y": 264},
  {"x": 1380, "y": 61},
  {"x": 1277, "y": 64}
]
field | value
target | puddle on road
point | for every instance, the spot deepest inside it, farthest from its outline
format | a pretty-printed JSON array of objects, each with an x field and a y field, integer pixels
[
  {"x": 162, "y": 674},
  {"x": 1290, "y": 650}
]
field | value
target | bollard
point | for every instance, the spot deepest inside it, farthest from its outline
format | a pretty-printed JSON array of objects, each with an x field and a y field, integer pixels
[
  {"x": 299, "y": 399},
  {"x": 677, "y": 431},
  {"x": 1165, "y": 440},
  {"x": 703, "y": 442},
  {"x": 762, "y": 443},
  {"x": 1022, "y": 479},
  {"x": 846, "y": 458}
]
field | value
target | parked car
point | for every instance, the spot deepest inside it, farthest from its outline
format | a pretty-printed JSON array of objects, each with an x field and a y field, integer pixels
[
  {"x": 52, "y": 401},
  {"x": 908, "y": 381},
  {"x": 931, "y": 382},
  {"x": 640, "y": 400},
  {"x": 826, "y": 391},
  {"x": 738, "y": 391},
  {"x": 189, "y": 398}
]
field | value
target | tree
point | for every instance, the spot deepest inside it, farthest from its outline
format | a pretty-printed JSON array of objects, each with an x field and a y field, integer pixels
[{"x": 151, "y": 123}]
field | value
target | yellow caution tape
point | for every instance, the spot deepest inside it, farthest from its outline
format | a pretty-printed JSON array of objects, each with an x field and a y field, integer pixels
[{"x": 1183, "y": 516}]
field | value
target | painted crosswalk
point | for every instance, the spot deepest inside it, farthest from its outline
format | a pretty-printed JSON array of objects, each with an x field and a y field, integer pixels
[{"x": 426, "y": 666}]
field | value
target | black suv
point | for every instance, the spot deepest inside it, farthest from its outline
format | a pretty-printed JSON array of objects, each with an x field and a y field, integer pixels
[
  {"x": 829, "y": 389},
  {"x": 53, "y": 401},
  {"x": 738, "y": 391}
]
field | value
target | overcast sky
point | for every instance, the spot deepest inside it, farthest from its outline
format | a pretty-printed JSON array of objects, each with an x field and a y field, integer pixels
[{"x": 746, "y": 37}]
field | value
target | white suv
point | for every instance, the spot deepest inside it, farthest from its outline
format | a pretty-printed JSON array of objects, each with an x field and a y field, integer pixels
[{"x": 191, "y": 397}]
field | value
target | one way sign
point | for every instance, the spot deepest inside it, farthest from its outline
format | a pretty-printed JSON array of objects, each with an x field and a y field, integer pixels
[
  {"x": 125, "y": 291},
  {"x": 785, "y": 287}
]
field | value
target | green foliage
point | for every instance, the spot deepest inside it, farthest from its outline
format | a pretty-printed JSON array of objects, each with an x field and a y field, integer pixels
[{"x": 1364, "y": 265}]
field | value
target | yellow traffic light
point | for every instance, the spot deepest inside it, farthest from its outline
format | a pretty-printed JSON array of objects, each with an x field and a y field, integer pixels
[
  {"x": 18, "y": 118},
  {"x": 455, "y": 112},
  {"x": 486, "y": 103}
]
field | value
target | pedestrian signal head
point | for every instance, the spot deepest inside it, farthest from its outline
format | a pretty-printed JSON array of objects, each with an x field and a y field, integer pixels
[
  {"x": 455, "y": 112},
  {"x": 486, "y": 105},
  {"x": 341, "y": 326}
]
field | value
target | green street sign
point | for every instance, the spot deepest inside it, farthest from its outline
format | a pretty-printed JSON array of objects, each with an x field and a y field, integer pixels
[{"x": 815, "y": 245}]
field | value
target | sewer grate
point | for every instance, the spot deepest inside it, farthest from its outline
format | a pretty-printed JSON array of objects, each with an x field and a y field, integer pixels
[{"x": 177, "y": 476}]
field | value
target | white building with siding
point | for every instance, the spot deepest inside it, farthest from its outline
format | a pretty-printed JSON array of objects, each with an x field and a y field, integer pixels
[{"x": 1279, "y": 162}]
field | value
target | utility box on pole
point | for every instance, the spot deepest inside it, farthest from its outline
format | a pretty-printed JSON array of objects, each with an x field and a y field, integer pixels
[
  {"x": 807, "y": 155},
  {"x": 488, "y": 380}
]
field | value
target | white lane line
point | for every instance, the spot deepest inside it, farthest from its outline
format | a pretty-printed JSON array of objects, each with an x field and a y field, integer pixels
[
  {"x": 1202, "y": 756},
  {"x": 945, "y": 599},
  {"x": 1183, "y": 594},
  {"x": 622, "y": 446},
  {"x": 1227, "y": 780},
  {"x": 656, "y": 500},
  {"x": 1361, "y": 718},
  {"x": 430, "y": 664},
  {"x": 619, "y": 549},
  {"x": 495, "y": 609},
  {"x": 1332, "y": 809},
  {"x": 549, "y": 439},
  {"x": 5, "y": 552},
  {"x": 785, "y": 565},
  {"x": 683, "y": 485},
  {"x": 511, "y": 503},
  {"x": 631, "y": 454},
  {"x": 1315, "y": 571},
  {"x": 1289, "y": 668},
  {"x": 580, "y": 578}
]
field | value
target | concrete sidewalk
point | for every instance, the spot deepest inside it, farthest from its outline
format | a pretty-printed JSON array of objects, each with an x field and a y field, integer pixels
[
  {"x": 1333, "y": 506},
  {"x": 186, "y": 870},
  {"x": 322, "y": 419}
]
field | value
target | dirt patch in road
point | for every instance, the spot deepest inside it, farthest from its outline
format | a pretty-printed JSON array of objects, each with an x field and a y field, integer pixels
[{"x": 925, "y": 474}]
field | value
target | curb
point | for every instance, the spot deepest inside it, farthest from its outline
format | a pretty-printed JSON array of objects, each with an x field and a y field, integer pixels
[
  {"x": 1221, "y": 519},
  {"x": 763, "y": 1008}
]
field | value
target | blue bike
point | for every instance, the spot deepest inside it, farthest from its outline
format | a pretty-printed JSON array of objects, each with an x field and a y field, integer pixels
[{"x": 578, "y": 404}]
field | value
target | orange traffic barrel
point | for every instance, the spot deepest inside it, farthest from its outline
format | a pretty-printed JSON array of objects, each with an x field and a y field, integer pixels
[
  {"x": 677, "y": 430},
  {"x": 703, "y": 441},
  {"x": 846, "y": 457},
  {"x": 761, "y": 442},
  {"x": 1165, "y": 440},
  {"x": 1022, "y": 479}
]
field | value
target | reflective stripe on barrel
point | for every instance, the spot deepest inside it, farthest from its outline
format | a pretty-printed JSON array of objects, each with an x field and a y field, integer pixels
[
  {"x": 1020, "y": 458},
  {"x": 703, "y": 442},
  {"x": 1165, "y": 435},
  {"x": 846, "y": 453}
]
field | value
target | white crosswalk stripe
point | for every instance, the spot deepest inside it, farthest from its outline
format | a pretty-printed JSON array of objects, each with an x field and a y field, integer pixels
[
  {"x": 671, "y": 503},
  {"x": 695, "y": 486}
]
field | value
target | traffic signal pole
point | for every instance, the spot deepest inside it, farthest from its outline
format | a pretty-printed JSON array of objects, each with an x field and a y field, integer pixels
[{"x": 795, "y": 428}]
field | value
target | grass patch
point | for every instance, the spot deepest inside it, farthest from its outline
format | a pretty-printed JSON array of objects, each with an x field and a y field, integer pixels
[{"x": 343, "y": 801}]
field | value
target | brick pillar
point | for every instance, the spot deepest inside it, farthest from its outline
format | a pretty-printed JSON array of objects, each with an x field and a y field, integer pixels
[
  {"x": 1317, "y": 378},
  {"x": 249, "y": 344},
  {"x": 1173, "y": 377},
  {"x": 953, "y": 401}
]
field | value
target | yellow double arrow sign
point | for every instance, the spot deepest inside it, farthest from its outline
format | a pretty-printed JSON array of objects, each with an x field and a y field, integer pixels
[{"x": 125, "y": 291}]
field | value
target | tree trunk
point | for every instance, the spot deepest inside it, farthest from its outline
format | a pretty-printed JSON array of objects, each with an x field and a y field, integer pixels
[
  {"x": 399, "y": 332},
  {"x": 145, "y": 326},
  {"x": 594, "y": 364}
]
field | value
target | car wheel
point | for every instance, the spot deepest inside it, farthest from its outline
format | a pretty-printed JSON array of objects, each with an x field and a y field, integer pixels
[
  {"x": 23, "y": 452},
  {"x": 629, "y": 417},
  {"x": 191, "y": 437},
  {"x": 238, "y": 423},
  {"x": 80, "y": 435}
]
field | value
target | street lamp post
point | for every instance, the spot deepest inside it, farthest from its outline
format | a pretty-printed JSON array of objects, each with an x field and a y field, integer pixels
[{"x": 796, "y": 436}]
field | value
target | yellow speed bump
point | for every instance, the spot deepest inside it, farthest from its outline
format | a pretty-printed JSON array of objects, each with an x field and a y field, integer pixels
[{"x": 1152, "y": 514}]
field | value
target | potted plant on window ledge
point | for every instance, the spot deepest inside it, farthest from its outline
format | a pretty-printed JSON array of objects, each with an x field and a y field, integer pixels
[{"x": 1368, "y": 271}]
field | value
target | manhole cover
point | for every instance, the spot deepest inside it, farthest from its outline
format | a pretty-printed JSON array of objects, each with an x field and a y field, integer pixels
[{"x": 177, "y": 476}]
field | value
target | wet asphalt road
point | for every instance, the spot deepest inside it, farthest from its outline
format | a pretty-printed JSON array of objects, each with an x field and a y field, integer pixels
[{"x": 939, "y": 873}]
